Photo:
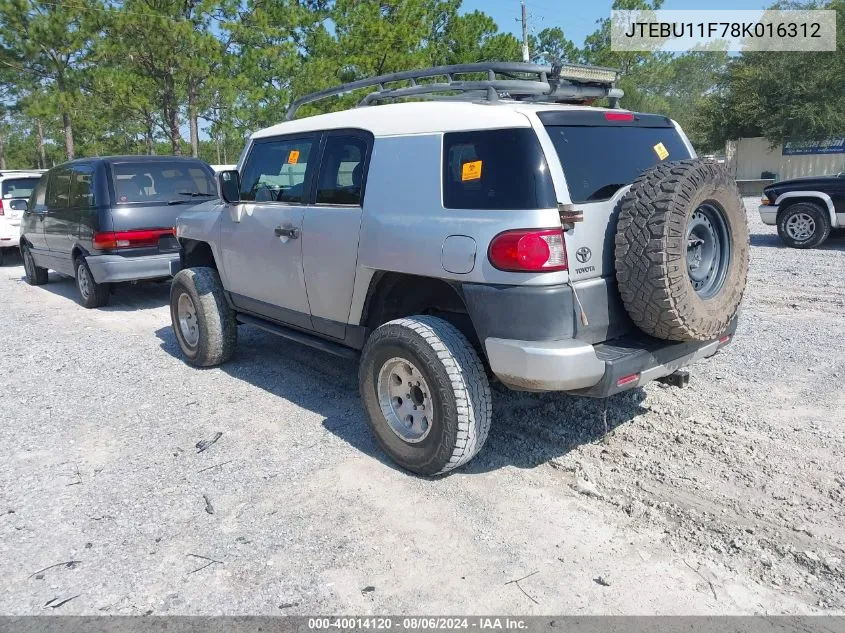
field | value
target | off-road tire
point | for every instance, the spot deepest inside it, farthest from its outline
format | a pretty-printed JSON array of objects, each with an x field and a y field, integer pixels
[
  {"x": 97, "y": 295},
  {"x": 460, "y": 393},
  {"x": 820, "y": 217},
  {"x": 651, "y": 250},
  {"x": 34, "y": 275},
  {"x": 215, "y": 320}
]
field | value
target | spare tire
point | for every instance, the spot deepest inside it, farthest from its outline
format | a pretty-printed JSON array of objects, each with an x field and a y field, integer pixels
[{"x": 682, "y": 250}]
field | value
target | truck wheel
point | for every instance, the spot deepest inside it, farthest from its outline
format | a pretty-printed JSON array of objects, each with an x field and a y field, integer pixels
[
  {"x": 204, "y": 323},
  {"x": 426, "y": 394},
  {"x": 804, "y": 225},
  {"x": 34, "y": 275},
  {"x": 93, "y": 295},
  {"x": 682, "y": 250}
]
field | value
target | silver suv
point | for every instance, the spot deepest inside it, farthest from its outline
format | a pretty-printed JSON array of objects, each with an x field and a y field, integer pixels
[{"x": 501, "y": 228}]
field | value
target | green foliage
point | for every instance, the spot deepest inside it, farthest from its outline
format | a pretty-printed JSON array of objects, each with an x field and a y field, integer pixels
[
  {"x": 147, "y": 76},
  {"x": 779, "y": 95}
]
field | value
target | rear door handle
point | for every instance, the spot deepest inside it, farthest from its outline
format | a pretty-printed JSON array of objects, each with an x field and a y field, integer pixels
[{"x": 292, "y": 232}]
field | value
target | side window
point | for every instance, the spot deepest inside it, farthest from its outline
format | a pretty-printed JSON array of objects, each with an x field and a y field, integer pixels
[
  {"x": 38, "y": 199},
  {"x": 82, "y": 188},
  {"x": 496, "y": 169},
  {"x": 58, "y": 189},
  {"x": 342, "y": 171},
  {"x": 275, "y": 170}
]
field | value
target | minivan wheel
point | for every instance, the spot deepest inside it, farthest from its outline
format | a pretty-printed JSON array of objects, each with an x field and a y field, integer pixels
[
  {"x": 204, "y": 323},
  {"x": 93, "y": 295},
  {"x": 34, "y": 275},
  {"x": 803, "y": 225},
  {"x": 426, "y": 394}
]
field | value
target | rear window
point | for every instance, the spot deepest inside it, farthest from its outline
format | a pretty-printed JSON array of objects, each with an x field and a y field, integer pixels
[
  {"x": 162, "y": 181},
  {"x": 18, "y": 187},
  {"x": 496, "y": 169},
  {"x": 597, "y": 160}
]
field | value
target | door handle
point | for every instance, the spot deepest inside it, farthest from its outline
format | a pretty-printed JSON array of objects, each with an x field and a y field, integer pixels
[{"x": 290, "y": 231}]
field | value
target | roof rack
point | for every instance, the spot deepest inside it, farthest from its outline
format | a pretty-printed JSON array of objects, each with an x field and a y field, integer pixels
[{"x": 518, "y": 81}]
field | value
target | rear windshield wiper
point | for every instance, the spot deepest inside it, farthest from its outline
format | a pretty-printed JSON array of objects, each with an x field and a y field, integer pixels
[{"x": 197, "y": 194}]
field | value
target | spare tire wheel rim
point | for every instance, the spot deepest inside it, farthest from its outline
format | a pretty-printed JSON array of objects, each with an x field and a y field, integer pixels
[
  {"x": 800, "y": 226},
  {"x": 187, "y": 315},
  {"x": 708, "y": 249},
  {"x": 82, "y": 281},
  {"x": 405, "y": 400}
]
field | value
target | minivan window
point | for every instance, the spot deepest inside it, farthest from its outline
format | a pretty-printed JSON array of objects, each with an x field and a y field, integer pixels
[
  {"x": 496, "y": 169},
  {"x": 598, "y": 160},
  {"x": 18, "y": 187},
  {"x": 162, "y": 181},
  {"x": 275, "y": 170},
  {"x": 82, "y": 189},
  {"x": 58, "y": 189},
  {"x": 342, "y": 171},
  {"x": 38, "y": 198}
]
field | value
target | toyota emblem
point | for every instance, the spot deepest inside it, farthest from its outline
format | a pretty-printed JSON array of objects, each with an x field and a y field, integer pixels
[{"x": 583, "y": 254}]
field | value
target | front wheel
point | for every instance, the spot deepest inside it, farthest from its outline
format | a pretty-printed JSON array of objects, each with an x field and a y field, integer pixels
[
  {"x": 426, "y": 394},
  {"x": 804, "y": 225},
  {"x": 35, "y": 275},
  {"x": 204, "y": 323}
]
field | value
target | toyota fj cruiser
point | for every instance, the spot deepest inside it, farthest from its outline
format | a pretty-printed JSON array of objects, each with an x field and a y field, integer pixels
[{"x": 513, "y": 232}]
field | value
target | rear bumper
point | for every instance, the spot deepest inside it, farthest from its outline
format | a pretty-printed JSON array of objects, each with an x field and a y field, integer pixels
[
  {"x": 596, "y": 371},
  {"x": 769, "y": 214},
  {"x": 114, "y": 268}
]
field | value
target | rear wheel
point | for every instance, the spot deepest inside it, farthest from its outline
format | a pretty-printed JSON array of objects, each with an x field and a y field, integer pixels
[
  {"x": 204, "y": 323},
  {"x": 804, "y": 225},
  {"x": 93, "y": 295},
  {"x": 426, "y": 394},
  {"x": 34, "y": 275}
]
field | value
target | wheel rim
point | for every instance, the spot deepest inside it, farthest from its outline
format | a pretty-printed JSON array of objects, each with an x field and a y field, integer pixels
[
  {"x": 83, "y": 282},
  {"x": 800, "y": 226},
  {"x": 708, "y": 250},
  {"x": 405, "y": 400},
  {"x": 187, "y": 314}
]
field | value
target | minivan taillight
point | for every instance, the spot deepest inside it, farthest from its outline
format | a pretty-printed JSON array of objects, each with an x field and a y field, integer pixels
[
  {"x": 1, "y": 208},
  {"x": 110, "y": 240},
  {"x": 528, "y": 250}
]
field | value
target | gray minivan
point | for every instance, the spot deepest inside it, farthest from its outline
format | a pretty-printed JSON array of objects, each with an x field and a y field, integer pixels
[{"x": 111, "y": 219}]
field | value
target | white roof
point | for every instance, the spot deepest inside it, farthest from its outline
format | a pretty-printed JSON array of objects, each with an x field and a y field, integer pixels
[
  {"x": 421, "y": 117},
  {"x": 20, "y": 173}
]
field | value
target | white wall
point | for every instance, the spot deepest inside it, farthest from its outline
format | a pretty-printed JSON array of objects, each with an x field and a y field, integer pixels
[{"x": 747, "y": 158}]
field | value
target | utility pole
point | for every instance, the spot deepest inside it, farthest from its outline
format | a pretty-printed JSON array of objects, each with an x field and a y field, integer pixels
[{"x": 526, "y": 54}]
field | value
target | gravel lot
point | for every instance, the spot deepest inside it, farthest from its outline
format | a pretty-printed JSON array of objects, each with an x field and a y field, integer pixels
[{"x": 726, "y": 497}]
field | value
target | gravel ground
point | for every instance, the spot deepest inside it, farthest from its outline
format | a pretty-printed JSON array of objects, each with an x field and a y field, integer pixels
[{"x": 725, "y": 497}]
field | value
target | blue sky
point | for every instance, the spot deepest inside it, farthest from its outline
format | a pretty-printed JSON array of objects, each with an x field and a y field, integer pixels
[{"x": 578, "y": 18}]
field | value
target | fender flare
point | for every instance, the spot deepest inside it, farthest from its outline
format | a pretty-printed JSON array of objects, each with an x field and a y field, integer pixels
[{"x": 811, "y": 194}]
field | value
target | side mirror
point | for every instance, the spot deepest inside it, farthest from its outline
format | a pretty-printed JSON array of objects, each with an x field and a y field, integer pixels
[
  {"x": 229, "y": 183},
  {"x": 19, "y": 205}
]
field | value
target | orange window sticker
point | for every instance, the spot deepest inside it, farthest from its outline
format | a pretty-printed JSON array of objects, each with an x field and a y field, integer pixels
[
  {"x": 471, "y": 171},
  {"x": 293, "y": 157},
  {"x": 661, "y": 151}
]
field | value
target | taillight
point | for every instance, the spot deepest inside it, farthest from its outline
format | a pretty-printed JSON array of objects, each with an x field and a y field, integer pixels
[
  {"x": 619, "y": 116},
  {"x": 129, "y": 239},
  {"x": 528, "y": 250},
  {"x": 1, "y": 208}
]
